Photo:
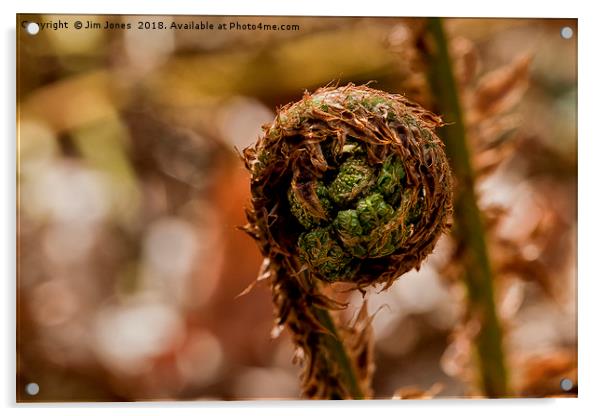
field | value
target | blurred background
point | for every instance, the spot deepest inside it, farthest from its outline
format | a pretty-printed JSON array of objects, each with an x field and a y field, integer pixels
[{"x": 130, "y": 192}]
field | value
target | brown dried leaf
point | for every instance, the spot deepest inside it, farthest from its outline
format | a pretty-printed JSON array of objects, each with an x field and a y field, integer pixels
[
  {"x": 501, "y": 89},
  {"x": 543, "y": 374},
  {"x": 493, "y": 132},
  {"x": 486, "y": 162}
]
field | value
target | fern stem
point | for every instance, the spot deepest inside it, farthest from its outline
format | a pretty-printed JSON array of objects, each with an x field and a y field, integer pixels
[
  {"x": 338, "y": 352},
  {"x": 468, "y": 227}
]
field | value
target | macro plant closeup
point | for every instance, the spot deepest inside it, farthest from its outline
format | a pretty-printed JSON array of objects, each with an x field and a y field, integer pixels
[
  {"x": 365, "y": 177},
  {"x": 365, "y": 180},
  {"x": 338, "y": 208}
]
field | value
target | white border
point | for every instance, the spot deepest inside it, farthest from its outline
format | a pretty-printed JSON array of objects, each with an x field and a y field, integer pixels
[{"x": 590, "y": 202}]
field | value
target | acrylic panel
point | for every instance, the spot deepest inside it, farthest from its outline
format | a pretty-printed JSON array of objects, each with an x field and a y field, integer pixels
[{"x": 259, "y": 208}]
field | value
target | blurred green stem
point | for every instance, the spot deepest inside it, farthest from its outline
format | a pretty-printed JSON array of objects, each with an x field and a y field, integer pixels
[{"x": 468, "y": 227}]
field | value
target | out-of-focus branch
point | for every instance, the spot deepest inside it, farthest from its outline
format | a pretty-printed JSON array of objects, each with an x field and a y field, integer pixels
[{"x": 468, "y": 227}]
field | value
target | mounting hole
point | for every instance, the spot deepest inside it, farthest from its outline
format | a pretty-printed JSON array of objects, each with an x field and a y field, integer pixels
[
  {"x": 32, "y": 28},
  {"x": 32, "y": 389},
  {"x": 566, "y": 32},
  {"x": 566, "y": 384}
]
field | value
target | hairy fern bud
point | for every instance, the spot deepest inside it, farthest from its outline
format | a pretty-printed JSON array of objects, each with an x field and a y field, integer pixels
[{"x": 351, "y": 184}]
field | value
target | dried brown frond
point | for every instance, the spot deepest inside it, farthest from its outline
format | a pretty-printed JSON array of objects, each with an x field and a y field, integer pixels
[{"x": 501, "y": 89}]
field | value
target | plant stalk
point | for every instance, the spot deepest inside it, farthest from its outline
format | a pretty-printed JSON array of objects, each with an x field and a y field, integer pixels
[
  {"x": 468, "y": 226},
  {"x": 338, "y": 352}
]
